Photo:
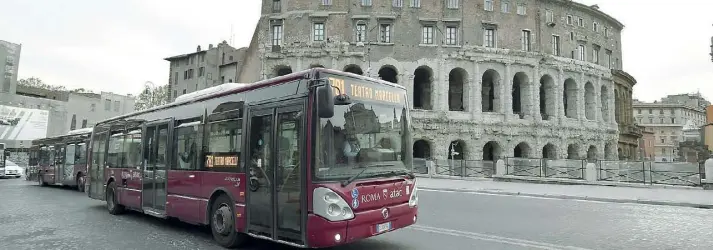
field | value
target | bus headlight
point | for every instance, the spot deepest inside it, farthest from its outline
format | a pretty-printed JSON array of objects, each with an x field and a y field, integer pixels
[
  {"x": 330, "y": 205},
  {"x": 413, "y": 200}
]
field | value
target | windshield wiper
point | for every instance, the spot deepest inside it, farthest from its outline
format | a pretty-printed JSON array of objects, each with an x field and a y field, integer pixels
[{"x": 351, "y": 179}]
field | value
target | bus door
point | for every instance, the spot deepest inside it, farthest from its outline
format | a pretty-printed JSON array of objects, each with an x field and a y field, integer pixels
[
  {"x": 155, "y": 162},
  {"x": 276, "y": 178},
  {"x": 97, "y": 166},
  {"x": 58, "y": 163},
  {"x": 67, "y": 174}
]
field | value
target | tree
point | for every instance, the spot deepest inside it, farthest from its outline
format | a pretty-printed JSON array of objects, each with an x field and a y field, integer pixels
[
  {"x": 38, "y": 83},
  {"x": 151, "y": 96}
]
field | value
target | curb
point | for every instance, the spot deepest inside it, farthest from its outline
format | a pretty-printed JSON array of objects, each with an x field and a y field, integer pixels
[{"x": 573, "y": 197}]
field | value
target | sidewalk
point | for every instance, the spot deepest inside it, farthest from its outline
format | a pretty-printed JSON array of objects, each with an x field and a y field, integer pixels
[{"x": 655, "y": 196}]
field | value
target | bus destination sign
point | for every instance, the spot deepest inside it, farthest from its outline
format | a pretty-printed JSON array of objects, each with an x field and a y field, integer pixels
[
  {"x": 221, "y": 161},
  {"x": 369, "y": 91}
]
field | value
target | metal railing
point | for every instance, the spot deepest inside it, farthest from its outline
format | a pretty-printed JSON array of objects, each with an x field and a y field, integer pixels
[
  {"x": 664, "y": 173},
  {"x": 545, "y": 168}
]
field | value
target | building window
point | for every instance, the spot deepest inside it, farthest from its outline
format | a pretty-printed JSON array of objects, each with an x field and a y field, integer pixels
[
  {"x": 488, "y": 5},
  {"x": 93, "y": 107},
  {"x": 276, "y": 35},
  {"x": 451, "y": 35},
  {"x": 595, "y": 54},
  {"x": 606, "y": 32},
  {"x": 201, "y": 71},
  {"x": 116, "y": 106},
  {"x": 580, "y": 21},
  {"x": 175, "y": 78},
  {"x": 521, "y": 9},
  {"x": 556, "y": 45},
  {"x": 190, "y": 73},
  {"x": 452, "y": 4},
  {"x": 569, "y": 19},
  {"x": 582, "y": 52},
  {"x": 184, "y": 91},
  {"x": 107, "y": 104},
  {"x": 608, "y": 55},
  {"x": 673, "y": 120},
  {"x": 571, "y": 36},
  {"x": 360, "y": 32},
  {"x": 489, "y": 38},
  {"x": 416, "y": 3},
  {"x": 397, "y": 3},
  {"x": 276, "y": 5},
  {"x": 365, "y": 2},
  {"x": 595, "y": 27},
  {"x": 318, "y": 34},
  {"x": 549, "y": 16},
  {"x": 385, "y": 33},
  {"x": 326, "y": 2},
  {"x": 504, "y": 7},
  {"x": 427, "y": 35},
  {"x": 525, "y": 39}
]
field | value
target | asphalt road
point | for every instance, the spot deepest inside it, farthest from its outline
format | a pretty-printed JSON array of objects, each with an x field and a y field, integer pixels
[{"x": 33, "y": 217}]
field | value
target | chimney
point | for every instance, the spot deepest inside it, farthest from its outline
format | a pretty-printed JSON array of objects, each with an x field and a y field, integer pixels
[
  {"x": 210, "y": 46},
  {"x": 198, "y": 49}
]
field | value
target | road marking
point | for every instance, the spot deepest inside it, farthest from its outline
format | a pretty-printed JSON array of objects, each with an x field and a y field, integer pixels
[
  {"x": 493, "y": 238},
  {"x": 511, "y": 195}
]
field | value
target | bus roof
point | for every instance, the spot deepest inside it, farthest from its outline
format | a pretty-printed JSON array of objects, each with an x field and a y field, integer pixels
[{"x": 241, "y": 87}]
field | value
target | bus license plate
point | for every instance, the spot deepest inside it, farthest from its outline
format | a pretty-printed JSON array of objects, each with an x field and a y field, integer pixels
[{"x": 380, "y": 228}]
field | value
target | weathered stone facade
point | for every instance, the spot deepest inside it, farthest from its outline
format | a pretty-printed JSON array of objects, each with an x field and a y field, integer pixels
[
  {"x": 527, "y": 79},
  {"x": 629, "y": 132}
]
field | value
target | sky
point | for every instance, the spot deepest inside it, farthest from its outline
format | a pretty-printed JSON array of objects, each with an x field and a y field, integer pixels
[{"x": 118, "y": 45}]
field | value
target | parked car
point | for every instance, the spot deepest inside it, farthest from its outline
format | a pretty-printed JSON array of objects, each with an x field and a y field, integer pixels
[{"x": 11, "y": 170}]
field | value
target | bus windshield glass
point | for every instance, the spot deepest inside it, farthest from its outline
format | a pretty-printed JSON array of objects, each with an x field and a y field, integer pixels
[{"x": 366, "y": 138}]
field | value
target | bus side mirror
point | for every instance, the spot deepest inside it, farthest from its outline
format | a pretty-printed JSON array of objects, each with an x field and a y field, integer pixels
[{"x": 325, "y": 101}]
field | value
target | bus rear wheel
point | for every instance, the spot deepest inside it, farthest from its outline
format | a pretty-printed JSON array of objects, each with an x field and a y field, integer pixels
[
  {"x": 111, "y": 202},
  {"x": 222, "y": 223}
]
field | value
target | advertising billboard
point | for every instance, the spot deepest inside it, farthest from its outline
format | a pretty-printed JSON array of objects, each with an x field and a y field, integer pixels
[{"x": 18, "y": 124}]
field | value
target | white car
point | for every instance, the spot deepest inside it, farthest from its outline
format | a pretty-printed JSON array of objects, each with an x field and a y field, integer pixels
[{"x": 11, "y": 170}]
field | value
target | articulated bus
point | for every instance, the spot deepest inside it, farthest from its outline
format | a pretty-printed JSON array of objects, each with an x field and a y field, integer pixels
[
  {"x": 61, "y": 160},
  {"x": 314, "y": 159}
]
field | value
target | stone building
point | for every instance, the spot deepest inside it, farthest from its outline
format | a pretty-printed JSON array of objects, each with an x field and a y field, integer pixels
[
  {"x": 629, "y": 132},
  {"x": 203, "y": 68},
  {"x": 527, "y": 78}
]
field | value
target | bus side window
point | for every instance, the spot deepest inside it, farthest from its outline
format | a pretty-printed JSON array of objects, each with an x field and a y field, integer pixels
[
  {"x": 187, "y": 141},
  {"x": 224, "y": 145}
]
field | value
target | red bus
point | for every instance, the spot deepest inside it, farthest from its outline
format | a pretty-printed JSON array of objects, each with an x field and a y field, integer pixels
[
  {"x": 315, "y": 159},
  {"x": 61, "y": 160}
]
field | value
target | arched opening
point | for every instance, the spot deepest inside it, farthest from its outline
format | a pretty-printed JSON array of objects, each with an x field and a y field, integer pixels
[
  {"x": 547, "y": 97},
  {"x": 621, "y": 154},
  {"x": 422, "y": 88},
  {"x": 573, "y": 151},
  {"x": 388, "y": 73},
  {"x": 569, "y": 101},
  {"x": 456, "y": 150},
  {"x": 354, "y": 69},
  {"x": 421, "y": 149},
  {"x": 617, "y": 106},
  {"x": 592, "y": 153},
  {"x": 491, "y": 151},
  {"x": 609, "y": 152},
  {"x": 489, "y": 91},
  {"x": 316, "y": 66},
  {"x": 282, "y": 70},
  {"x": 590, "y": 105},
  {"x": 522, "y": 150},
  {"x": 520, "y": 93},
  {"x": 549, "y": 151},
  {"x": 457, "y": 80},
  {"x": 605, "y": 103}
]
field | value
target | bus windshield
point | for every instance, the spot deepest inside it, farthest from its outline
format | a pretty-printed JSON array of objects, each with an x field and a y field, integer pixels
[{"x": 367, "y": 138}]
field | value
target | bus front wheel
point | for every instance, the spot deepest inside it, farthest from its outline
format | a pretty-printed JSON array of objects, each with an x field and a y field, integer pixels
[
  {"x": 222, "y": 223},
  {"x": 111, "y": 202}
]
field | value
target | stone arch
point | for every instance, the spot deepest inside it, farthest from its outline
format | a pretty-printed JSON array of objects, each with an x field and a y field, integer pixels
[
  {"x": 520, "y": 93},
  {"x": 605, "y": 103},
  {"x": 353, "y": 68},
  {"x": 522, "y": 150},
  {"x": 549, "y": 151},
  {"x": 315, "y": 65},
  {"x": 422, "y": 149},
  {"x": 389, "y": 73},
  {"x": 590, "y": 102},
  {"x": 592, "y": 153},
  {"x": 282, "y": 70},
  {"x": 456, "y": 150},
  {"x": 457, "y": 80},
  {"x": 617, "y": 107},
  {"x": 491, "y": 151},
  {"x": 573, "y": 151},
  {"x": 609, "y": 151},
  {"x": 547, "y": 97},
  {"x": 423, "y": 88},
  {"x": 569, "y": 100},
  {"x": 490, "y": 91}
]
